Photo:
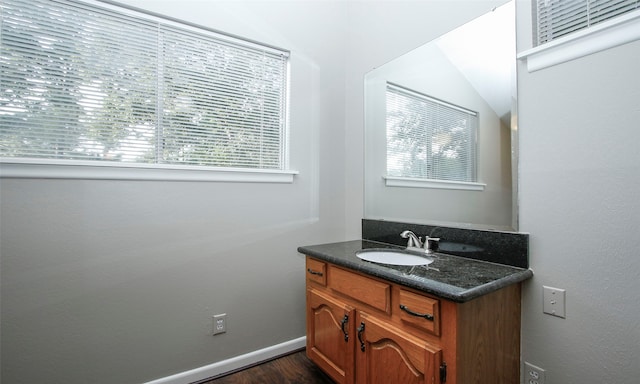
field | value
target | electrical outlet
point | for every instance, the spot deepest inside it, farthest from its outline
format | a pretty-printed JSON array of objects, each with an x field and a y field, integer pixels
[
  {"x": 533, "y": 374},
  {"x": 219, "y": 324}
]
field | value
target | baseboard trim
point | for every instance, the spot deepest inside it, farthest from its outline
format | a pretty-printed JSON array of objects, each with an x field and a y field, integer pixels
[{"x": 233, "y": 364}]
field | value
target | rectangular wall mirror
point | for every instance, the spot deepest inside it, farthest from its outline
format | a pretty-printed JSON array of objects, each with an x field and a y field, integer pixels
[{"x": 426, "y": 164}]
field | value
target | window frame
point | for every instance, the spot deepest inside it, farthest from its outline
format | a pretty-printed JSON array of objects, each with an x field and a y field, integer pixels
[{"x": 20, "y": 167}]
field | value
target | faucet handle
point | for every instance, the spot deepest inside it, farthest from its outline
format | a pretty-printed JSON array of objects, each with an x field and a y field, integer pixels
[{"x": 429, "y": 243}]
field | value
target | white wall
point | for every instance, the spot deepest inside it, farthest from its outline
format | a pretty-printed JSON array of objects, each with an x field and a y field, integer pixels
[
  {"x": 579, "y": 188},
  {"x": 116, "y": 281}
]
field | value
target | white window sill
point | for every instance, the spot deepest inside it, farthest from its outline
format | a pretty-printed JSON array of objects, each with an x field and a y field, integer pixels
[
  {"x": 32, "y": 169},
  {"x": 392, "y": 181},
  {"x": 621, "y": 30}
]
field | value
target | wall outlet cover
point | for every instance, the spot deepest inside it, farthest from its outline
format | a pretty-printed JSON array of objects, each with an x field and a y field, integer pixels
[
  {"x": 533, "y": 374},
  {"x": 554, "y": 301},
  {"x": 219, "y": 324}
]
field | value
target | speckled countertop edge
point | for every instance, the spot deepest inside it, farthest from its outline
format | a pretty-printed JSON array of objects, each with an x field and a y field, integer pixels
[{"x": 458, "y": 279}]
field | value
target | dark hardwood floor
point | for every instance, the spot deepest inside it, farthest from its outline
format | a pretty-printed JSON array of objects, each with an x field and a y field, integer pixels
[{"x": 295, "y": 368}]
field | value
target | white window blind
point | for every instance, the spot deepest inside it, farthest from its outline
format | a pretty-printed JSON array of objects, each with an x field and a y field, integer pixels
[
  {"x": 428, "y": 138},
  {"x": 83, "y": 82},
  {"x": 557, "y": 18}
]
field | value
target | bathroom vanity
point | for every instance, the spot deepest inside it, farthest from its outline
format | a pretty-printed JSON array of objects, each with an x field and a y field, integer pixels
[{"x": 455, "y": 321}]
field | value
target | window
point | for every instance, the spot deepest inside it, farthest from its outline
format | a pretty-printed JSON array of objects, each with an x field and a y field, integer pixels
[
  {"x": 102, "y": 84},
  {"x": 428, "y": 138},
  {"x": 557, "y": 18},
  {"x": 564, "y": 30}
]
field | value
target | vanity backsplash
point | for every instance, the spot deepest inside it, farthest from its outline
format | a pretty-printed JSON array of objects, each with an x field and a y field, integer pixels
[{"x": 508, "y": 248}]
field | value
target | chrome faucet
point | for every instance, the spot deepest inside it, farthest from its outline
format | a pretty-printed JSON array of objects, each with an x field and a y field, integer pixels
[{"x": 414, "y": 243}]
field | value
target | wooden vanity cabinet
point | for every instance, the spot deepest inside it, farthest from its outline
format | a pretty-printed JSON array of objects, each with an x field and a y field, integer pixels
[{"x": 366, "y": 330}]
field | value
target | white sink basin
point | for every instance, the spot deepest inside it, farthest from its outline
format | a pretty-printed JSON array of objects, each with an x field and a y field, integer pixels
[{"x": 393, "y": 257}]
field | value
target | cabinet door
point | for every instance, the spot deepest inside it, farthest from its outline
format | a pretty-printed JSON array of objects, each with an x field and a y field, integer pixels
[
  {"x": 387, "y": 355},
  {"x": 330, "y": 335}
]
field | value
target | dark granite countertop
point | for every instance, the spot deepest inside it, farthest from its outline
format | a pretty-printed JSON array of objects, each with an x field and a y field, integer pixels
[{"x": 450, "y": 277}]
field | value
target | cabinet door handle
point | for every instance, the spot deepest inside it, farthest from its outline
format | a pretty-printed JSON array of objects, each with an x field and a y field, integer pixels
[
  {"x": 425, "y": 315},
  {"x": 343, "y": 323},
  {"x": 360, "y": 331},
  {"x": 311, "y": 271}
]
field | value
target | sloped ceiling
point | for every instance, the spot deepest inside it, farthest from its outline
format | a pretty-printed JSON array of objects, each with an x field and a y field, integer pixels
[{"x": 485, "y": 55}]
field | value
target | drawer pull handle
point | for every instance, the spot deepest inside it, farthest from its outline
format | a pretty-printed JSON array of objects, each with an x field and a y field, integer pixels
[
  {"x": 311, "y": 271},
  {"x": 360, "y": 331},
  {"x": 345, "y": 321},
  {"x": 425, "y": 315}
]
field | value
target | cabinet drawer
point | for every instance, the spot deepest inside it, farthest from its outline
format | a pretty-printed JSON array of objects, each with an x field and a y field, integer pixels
[
  {"x": 419, "y": 311},
  {"x": 361, "y": 288},
  {"x": 316, "y": 271}
]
